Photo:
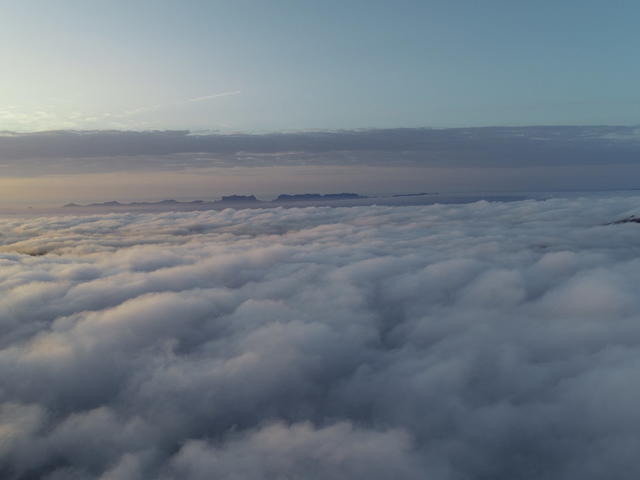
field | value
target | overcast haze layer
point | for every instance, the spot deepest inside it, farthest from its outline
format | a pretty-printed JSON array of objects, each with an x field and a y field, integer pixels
[{"x": 53, "y": 168}]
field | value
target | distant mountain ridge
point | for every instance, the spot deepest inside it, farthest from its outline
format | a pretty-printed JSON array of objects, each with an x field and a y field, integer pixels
[
  {"x": 229, "y": 199},
  {"x": 305, "y": 197},
  {"x": 421, "y": 194},
  {"x": 300, "y": 200},
  {"x": 238, "y": 198}
]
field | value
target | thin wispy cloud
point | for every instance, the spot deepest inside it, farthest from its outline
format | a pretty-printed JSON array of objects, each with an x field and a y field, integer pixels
[
  {"x": 212, "y": 96},
  {"x": 162, "y": 106}
]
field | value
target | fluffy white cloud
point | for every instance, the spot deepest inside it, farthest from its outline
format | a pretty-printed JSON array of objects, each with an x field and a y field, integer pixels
[{"x": 488, "y": 340}]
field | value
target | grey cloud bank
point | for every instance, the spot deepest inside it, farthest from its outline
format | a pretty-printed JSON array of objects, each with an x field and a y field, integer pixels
[
  {"x": 108, "y": 151},
  {"x": 488, "y": 340}
]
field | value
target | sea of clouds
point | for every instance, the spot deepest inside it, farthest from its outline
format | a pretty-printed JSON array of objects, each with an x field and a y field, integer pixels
[{"x": 478, "y": 341}]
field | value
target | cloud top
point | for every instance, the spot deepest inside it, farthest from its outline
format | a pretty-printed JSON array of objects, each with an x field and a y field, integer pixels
[{"x": 488, "y": 340}]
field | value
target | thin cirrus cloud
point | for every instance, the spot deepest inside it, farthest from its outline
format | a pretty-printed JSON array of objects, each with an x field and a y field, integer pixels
[
  {"x": 162, "y": 106},
  {"x": 214, "y": 95},
  {"x": 489, "y": 340}
]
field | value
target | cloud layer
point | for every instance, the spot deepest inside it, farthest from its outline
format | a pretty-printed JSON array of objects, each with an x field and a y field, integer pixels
[
  {"x": 109, "y": 151},
  {"x": 489, "y": 340}
]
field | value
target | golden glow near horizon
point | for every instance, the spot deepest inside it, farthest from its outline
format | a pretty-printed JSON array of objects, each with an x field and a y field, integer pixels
[{"x": 268, "y": 182}]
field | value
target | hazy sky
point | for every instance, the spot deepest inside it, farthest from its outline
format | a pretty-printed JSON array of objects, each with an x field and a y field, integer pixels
[
  {"x": 253, "y": 65},
  {"x": 323, "y": 96}
]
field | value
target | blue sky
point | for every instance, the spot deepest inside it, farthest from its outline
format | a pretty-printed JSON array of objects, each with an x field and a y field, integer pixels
[{"x": 247, "y": 65}]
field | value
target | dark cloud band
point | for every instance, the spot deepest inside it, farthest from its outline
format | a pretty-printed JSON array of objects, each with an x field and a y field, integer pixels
[{"x": 102, "y": 151}]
